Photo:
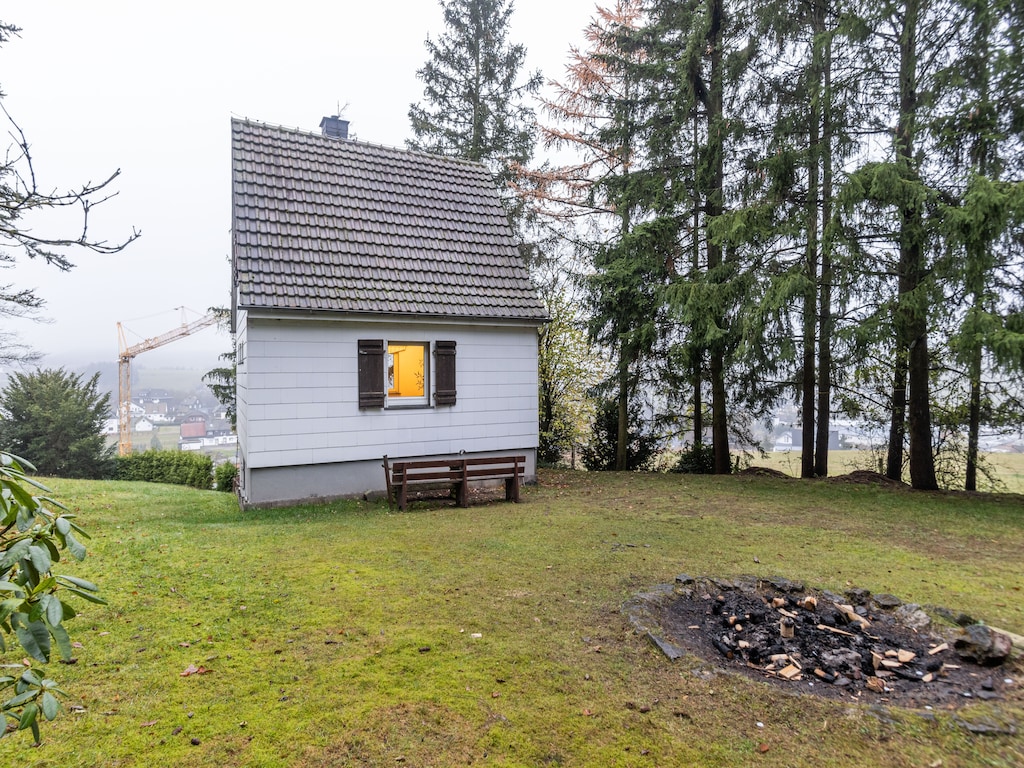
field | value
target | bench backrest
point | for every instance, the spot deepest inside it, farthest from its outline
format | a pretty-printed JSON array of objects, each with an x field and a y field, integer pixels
[{"x": 474, "y": 467}]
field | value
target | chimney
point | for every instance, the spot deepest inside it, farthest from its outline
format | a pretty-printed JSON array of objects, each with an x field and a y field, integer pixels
[{"x": 334, "y": 127}]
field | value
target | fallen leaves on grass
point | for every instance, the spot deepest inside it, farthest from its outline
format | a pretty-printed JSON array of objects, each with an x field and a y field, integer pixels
[{"x": 192, "y": 669}]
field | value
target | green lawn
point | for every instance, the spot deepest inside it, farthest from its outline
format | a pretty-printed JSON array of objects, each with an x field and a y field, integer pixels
[{"x": 347, "y": 635}]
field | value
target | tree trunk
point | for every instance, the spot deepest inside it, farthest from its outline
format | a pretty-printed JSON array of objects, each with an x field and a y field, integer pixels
[
  {"x": 698, "y": 354},
  {"x": 826, "y": 277},
  {"x": 897, "y": 423},
  {"x": 622, "y": 435},
  {"x": 911, "y": 305},
  {"x": 715, "y": 206},
  {"x": 810, "y": 297},
  {"x": 973, "y": 420},
  {"x": 977, "y": 252}
]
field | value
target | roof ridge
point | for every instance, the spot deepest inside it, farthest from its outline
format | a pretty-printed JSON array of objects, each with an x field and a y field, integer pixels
[{"x": 360, "y": 142}]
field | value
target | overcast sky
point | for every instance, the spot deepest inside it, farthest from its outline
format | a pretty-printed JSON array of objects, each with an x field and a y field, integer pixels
[{"x": 149, "y": 88}]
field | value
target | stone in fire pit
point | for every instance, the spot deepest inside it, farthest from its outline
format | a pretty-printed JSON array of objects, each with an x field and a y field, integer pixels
[{"x": 853, "y": 646}]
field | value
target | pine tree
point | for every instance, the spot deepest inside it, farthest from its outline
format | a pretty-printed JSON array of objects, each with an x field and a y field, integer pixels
[
  {"x": 695, "y": 55},
  {"x": 474, "y": 103},
  {"x": 56, "y": 418},
  {"x": 978, "y": 132},
  {"x": 595, "y": 117},
  {"x": 895, "y": 200}
]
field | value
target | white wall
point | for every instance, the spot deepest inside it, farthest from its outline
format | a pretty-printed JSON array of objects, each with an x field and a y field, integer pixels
[{"x": 298, "y": 394}]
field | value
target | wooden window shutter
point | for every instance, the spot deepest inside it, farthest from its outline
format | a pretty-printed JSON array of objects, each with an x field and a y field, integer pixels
[
  {"x": 444, "y": 373},
  {"x": 371, "y": 373}
]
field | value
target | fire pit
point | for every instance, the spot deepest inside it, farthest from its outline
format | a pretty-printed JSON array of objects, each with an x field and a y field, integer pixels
[{"x": 855, "y": 646}]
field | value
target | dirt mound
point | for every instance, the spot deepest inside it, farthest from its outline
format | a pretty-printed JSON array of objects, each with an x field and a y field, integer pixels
[
  {"x": 867, "y": 477},
  {"x": 858, "y": 646},
  {"x": 764, "y": 472}
]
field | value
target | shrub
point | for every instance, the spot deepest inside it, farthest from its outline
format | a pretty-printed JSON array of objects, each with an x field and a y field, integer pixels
[
  {"x": 35, "y": 531},
  {"x": 224, "y": 476},
  {"x": 56, "y": 417},
  {"x": 174, "y": 467},
  {"x": 696, "y": 459},
  {"x": 641, "y": 450}
]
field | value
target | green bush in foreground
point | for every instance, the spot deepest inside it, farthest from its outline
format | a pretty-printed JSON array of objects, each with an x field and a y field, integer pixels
[
  {"x": 224, "y": 476},
  {"x": 175, "y": 467},
  {"x": 32, "y": 537}
]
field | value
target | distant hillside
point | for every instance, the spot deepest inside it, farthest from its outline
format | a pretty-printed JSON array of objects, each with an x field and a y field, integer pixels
[{"x": 179, "y": 382}]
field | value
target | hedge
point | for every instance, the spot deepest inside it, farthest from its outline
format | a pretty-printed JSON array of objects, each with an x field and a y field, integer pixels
[{"x": 175, "y": 467}]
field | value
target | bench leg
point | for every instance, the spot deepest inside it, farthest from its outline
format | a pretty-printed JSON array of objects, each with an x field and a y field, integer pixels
[
  {"x": 400, "y": 492},
  {"x": 512, "y": 489},
  {"x": 387, "y": 480},
  {"x": 462, "y": 494}
]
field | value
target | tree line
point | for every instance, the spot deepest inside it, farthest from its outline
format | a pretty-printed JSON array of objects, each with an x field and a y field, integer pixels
[{"x": 790, "y": 201}]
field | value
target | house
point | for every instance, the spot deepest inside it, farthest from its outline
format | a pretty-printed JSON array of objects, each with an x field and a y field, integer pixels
[
  {"x": 192, "y": 427},
  {"x": 380, "y": 307},
  {"x": 792, "y": 439}
]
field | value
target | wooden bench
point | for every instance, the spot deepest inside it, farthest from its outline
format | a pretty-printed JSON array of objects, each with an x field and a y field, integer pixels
[{"x": 457, "y": 473}]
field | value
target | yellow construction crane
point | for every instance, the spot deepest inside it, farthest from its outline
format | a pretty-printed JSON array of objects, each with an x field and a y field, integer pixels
[{"x": 124, "y": 370}]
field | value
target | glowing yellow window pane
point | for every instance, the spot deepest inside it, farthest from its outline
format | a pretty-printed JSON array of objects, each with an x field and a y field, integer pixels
[{"x": 406, "y": 367}]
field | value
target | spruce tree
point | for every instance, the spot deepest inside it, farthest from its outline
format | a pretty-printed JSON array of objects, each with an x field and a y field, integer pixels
[
  {"x": 890, "y": 204},
  {"x": 474, "y": 104},
  {"x": 56, "y": 417},
  {"x": 594, "y": 115},
  {"x": 978, "y": 134},
  {"x": 695, "y": 56}
]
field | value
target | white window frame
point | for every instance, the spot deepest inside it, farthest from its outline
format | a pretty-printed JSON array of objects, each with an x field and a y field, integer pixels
[{"x": 415, "y": 401}]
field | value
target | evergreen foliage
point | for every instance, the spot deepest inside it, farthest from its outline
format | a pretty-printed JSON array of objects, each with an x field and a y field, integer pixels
[
  {"x": 474, "y": 103},
  {"x": 174, "y": 467},
  {"x": 807, "y": 200},
  {"x": 224, "y": 476},
  {"x": 602, "y": 451},
  {"x": 57, "y": 417},
  {"x": 221, "y": 381}
]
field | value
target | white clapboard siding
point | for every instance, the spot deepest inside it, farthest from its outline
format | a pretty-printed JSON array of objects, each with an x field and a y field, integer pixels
[{"x": 298, "y": 394}]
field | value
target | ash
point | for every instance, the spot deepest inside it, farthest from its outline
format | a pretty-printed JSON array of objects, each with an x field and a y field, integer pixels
[{"x": 859, "y": 646}]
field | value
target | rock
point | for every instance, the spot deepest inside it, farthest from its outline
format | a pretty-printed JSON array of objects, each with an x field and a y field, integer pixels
[
  {"x": 684, "y": 578},
  {"x": 912, "y": 617},
  {"x": 671, "y": 651},
  {"x": 887, "y": 601},
  {"x": 841, "y": 659},
  {"x": 987, "y": 726},
  {"x": 983, "y": 645},
  {"x": 785, "y": 585},
  {"x": 832, "y": 597},
  {"x": 858, "y": 596}
]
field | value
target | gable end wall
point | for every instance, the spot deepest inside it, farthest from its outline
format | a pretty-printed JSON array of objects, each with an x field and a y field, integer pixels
[{"x": 302, "y": 434}]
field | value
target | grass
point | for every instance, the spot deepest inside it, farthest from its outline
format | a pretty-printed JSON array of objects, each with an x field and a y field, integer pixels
[{"x": 347, "y": 635}]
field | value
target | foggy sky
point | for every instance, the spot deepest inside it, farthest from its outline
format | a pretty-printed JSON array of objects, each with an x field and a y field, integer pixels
[{"x": 149, "y": 88}]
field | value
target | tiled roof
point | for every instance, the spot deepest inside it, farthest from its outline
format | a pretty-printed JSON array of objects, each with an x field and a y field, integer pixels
[{"x": 324, "y": 224}]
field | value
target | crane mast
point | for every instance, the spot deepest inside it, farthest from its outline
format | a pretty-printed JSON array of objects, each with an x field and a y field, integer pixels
[{"x": 124, "y": 370}]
